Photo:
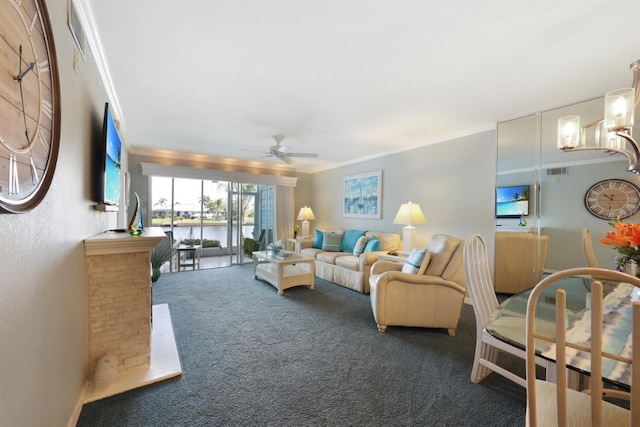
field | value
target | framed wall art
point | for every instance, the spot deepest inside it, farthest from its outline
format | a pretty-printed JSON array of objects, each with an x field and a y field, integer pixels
[{"x": 362, "y": 195}]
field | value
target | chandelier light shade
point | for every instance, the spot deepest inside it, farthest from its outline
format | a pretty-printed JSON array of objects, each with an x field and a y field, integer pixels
[
  {"x": 409, "y": 214},
  {"x": 613, "y": 133},
  {"x": 305, "y": 215},
  {"x": 618, "y": 109},
  {"x": 568, "y": 132}
]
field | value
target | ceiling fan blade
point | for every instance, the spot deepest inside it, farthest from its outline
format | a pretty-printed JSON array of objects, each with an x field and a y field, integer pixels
[
  {"x": 285, "y": 159},
  {"x": 310, "y": 155},
  {"x": 255, "y": 151}
]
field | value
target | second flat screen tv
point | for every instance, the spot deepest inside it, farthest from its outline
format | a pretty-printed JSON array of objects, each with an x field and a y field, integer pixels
[
  {"x": 512, "y": 201},
  {"x": 112, "y": 151}
]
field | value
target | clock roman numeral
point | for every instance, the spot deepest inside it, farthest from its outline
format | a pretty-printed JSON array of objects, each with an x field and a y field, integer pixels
[
  {"x": 34, "y": 171},
  {"x": 43, "y": 67},
  {"x": 43, "y": 140},
  {"x": 14, "y": 184},
  {"x": 47, "y": 108},
  {"x": 34, "y": 21}
]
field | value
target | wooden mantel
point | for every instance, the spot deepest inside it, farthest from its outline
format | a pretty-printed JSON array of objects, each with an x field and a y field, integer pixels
[
  {"x": 109, "y": 243},
  {"x": 120, "y": 313}
]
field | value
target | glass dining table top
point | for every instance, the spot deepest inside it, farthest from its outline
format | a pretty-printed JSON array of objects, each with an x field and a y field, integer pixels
[{"x": 507, "y": 323}]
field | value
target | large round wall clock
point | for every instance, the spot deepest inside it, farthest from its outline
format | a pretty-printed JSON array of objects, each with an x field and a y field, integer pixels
[
  {"x": 612, "y": 198},
  {"x": 29, "y": 104}
]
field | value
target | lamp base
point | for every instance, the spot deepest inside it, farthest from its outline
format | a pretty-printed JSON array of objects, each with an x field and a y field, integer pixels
[
  {"x": 305, "y": 229},
  {"x": 408, "y": 235}
]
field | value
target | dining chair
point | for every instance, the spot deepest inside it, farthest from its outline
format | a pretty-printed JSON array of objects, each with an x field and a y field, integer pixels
[
  {"x": 550, "y": 403},
  {"x": 587, "y": 247},
  {"x": 484, "y": 302}
]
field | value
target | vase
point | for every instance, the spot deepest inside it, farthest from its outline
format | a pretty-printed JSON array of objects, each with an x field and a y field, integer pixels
[{"x": 155, "y": 274}]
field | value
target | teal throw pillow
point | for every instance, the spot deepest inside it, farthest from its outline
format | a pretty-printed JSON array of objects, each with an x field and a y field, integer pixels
[
  {"x": 413, "y": 263},
  {"x": 350, "y": 239},
  {"x": 372, "y": 245},
  {"x": 331, "y": 242},
  {"x": 317, "y": 242},
  {"x": 360, "y": 245}
]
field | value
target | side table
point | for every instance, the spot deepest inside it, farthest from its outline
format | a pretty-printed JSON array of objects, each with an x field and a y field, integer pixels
[
  {"x": 397, "y": 258},
  {"x": 189, "y": 256},
  {"x": 295, "y": 243}
]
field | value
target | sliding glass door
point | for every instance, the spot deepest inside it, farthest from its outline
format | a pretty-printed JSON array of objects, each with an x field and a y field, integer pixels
[{"x": 217, "y": 215}]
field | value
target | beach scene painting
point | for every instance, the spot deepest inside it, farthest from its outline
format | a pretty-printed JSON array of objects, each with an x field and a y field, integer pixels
[
  {"x": 512, "y": 201},
  {"x": 362, "y": 195}
]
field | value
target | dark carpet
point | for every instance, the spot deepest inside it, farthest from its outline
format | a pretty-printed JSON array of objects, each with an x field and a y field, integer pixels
[{"x": 251, "y": 357}]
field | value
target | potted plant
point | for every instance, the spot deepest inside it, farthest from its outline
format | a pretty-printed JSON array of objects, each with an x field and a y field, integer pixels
[{"x": 159, "y": 255}]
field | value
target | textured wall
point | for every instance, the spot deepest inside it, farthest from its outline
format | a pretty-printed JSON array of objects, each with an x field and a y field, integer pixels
[
  {"x": 43, "y": 280},
  {"x": 452, "y": 181}
]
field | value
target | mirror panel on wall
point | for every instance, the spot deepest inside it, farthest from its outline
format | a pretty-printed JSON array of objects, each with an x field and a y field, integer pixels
[
  {"x": 563, "y": 178},
  {"x": 517, "y": 237},
  {"x": 518, "y": 155}
]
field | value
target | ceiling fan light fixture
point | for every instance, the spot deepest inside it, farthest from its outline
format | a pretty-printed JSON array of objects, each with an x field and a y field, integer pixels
[{"x": 284, "y": 149}]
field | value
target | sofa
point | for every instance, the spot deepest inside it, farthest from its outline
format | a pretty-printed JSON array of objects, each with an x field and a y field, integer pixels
[
  {"x": 429, "y": 294},
  {"x": 343, "y": 258}
]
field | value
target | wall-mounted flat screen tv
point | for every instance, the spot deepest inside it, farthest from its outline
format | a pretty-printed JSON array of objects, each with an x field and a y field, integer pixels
[
  {"x": 512, "y": 201},
  {"x": 112, "y": 151}
]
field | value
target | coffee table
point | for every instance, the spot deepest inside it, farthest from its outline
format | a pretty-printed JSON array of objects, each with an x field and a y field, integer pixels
[{"x": 285, "y": 270}]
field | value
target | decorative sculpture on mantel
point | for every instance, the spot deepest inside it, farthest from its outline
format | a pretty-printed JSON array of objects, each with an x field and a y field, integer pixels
[{"x": 135, "y": 225}]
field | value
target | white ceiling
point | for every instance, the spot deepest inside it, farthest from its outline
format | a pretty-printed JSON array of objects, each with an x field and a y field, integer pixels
[{"x": 348, "y": 79}]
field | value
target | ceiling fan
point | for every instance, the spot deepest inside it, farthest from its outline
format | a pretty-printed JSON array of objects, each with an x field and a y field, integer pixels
[{"x": 282, "y": 151}]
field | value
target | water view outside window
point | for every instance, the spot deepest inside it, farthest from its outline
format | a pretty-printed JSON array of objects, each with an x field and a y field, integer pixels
[{"x": 217, "y": 213}]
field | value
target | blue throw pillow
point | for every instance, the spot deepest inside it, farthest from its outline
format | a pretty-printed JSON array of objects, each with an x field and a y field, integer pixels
[
  {"x": 317, "y": 242},
  {"x": 360, "y": 245},
  {"x": 372, "y": 245},
  {"x": 413, "y": 263},
  {"x": 350, "y": 239}
]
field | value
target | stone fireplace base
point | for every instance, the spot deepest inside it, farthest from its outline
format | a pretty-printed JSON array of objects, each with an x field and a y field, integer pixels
[{"x": 164, "y": 361}]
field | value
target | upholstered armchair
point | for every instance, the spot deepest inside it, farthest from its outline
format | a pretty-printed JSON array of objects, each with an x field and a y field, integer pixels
[
  {"x": 430, "y": 298},
  {"x": 519, "y": 261}
]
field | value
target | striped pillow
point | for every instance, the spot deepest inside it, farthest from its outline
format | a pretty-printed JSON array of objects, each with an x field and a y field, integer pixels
[
  {"x": 331, "y": 242},
  {"x": 413, "y": 263},
  {"x": 359, "y": 247}
]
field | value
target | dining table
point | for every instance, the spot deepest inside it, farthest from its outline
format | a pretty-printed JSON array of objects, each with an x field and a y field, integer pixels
[{"x": 508, "y": 324}]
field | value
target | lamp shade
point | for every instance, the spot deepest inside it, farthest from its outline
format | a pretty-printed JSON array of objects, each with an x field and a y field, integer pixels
[
  {"x": 306, "y": 214},
  {"x": 410, "y": 214}
]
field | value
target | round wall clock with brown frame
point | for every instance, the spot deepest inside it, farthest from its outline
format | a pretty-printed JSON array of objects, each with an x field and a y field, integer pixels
[
  {"x": 612, "y": 198},
  {"x": 29, "y": 105}
]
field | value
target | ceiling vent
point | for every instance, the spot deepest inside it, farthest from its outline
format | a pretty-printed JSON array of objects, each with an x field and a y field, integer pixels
[{"x": 557, "y": 171}]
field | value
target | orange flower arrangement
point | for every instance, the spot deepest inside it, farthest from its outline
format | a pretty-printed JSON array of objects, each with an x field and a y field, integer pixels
[{"x": 626, "y": 240}]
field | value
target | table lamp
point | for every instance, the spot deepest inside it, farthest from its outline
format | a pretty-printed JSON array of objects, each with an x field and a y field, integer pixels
[
  {"x": 305, "y": 215},
  {"x": 409, "y": 214}
]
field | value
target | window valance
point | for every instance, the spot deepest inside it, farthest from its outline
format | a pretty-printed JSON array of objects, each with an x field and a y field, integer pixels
[{"x": 155, "y": 169}]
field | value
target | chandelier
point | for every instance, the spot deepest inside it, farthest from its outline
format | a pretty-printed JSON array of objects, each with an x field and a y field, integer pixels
[{"x": 613, "y": 133}]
